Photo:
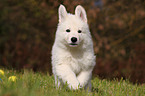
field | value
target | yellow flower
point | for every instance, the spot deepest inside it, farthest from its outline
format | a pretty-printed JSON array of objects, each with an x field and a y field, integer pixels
[
  {"x": 13, "y": 78},
  {"x": 2, "y": 72}
]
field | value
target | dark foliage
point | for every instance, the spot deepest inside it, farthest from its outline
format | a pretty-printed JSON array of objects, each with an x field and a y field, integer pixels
[{"x": 27, "y": 29}]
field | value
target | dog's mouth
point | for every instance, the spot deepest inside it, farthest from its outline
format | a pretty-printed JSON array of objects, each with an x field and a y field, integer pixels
[{"x": 73, "y": 44}]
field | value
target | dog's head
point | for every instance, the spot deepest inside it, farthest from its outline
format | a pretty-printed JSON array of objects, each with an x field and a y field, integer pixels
[{"x": 72, "y": 29}]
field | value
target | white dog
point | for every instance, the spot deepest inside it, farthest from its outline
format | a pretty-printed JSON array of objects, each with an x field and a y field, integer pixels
[{"x": 73, "y": 56}]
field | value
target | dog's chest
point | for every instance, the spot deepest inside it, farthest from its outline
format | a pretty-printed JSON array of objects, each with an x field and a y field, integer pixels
[{"x": 76, "y": 64}]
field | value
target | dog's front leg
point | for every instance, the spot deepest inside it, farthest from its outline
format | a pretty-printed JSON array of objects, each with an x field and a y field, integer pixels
[
  {"x": 85, "y": 78},
  {"x": 67, "y": 76}
]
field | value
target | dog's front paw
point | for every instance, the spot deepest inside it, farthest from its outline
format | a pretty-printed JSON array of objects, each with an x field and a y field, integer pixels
[{"x": 75, "y": 86}]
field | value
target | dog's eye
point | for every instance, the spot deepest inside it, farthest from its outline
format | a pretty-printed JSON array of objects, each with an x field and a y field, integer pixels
[
  {"x": 79, "y": 31},
  {"x": 67, "y": 30}
]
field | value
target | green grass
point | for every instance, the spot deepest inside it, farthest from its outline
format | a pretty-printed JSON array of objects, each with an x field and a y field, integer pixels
[{"x": 29, "y": 83}]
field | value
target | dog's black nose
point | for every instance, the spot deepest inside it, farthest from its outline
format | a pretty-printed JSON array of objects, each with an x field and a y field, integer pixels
[{"x": 74, "y": 39}]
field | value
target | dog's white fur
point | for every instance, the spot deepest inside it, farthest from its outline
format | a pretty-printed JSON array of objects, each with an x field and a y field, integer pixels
[{"x": 73, "y": 64}]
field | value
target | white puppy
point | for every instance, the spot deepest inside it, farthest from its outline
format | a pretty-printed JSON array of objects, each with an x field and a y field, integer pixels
[{"x": 73, "y": 56}]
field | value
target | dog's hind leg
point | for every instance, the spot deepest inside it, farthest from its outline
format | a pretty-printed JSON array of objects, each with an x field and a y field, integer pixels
[
  {"x": 57, "y": 82},
  {"x": 88, "y": 87}
]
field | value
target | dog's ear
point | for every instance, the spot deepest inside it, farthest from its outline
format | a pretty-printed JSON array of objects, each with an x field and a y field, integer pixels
[
  {"x": 62, "y": 13},
  {"x": 81, "y": 13}
]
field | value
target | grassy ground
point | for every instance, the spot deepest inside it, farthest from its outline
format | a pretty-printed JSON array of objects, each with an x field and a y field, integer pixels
[{"x": 38, "y": 84}]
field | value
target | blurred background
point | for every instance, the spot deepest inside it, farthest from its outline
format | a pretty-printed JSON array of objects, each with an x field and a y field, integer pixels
[{"x": 27, "y": 32}]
